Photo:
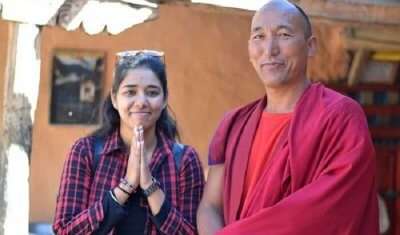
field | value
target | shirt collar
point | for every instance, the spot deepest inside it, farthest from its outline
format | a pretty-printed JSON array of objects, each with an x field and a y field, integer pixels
[{"x": 114, "y": 142}]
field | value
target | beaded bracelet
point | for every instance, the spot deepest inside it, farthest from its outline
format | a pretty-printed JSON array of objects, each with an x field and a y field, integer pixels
[
  {"x": 125, "y": 183},
  {"x": 123, "y": 190}
]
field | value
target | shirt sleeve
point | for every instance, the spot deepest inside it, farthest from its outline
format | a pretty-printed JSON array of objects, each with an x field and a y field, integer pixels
[
  {"x": 113, "y": 213},
  {"x": 182, "y": 219},
  {"x": 73, "y": 214}
]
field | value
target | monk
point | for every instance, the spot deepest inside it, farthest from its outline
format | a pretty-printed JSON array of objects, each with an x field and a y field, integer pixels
[{"x": 298, "y": 161}]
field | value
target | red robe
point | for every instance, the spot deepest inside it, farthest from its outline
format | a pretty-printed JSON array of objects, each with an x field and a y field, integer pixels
[{"x": 320, "y": 179}]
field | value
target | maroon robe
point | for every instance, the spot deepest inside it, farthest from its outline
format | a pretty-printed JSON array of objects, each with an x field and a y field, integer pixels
[{"x": 320, "y": 179}]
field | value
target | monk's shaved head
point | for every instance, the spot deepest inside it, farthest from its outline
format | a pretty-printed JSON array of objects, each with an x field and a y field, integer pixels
[
  {"x": 280, "y": 43},
  {"x": 289, "y": 8}
]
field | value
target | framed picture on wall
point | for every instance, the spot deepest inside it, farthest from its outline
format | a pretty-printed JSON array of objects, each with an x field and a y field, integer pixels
[{"x": 76, "y": 86}]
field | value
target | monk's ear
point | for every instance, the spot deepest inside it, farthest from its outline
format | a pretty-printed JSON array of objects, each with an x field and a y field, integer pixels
[{"x": 312, "y": 45}]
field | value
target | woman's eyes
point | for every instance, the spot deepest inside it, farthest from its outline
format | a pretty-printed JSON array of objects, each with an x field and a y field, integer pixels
[
  {"x": 129, "y": 92},
  {"x": 150, "y": 93},
  {"x": 153, "y": 93}
]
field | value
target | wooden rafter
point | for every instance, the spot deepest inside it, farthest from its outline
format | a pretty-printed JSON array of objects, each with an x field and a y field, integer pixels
[{"x": 363, "y": 13}]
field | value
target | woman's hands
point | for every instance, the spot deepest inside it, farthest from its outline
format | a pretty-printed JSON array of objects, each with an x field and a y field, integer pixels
[
  {"x": 138, "y": 172},
  {"x": 133, "y": 169},
  {"x": 145, "y": 174}
]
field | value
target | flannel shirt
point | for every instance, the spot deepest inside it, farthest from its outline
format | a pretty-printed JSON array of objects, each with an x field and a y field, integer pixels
[{"x": 82, "y": 192}]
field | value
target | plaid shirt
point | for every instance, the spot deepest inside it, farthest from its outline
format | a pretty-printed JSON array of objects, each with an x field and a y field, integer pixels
[{"x": 80, "y": 209}]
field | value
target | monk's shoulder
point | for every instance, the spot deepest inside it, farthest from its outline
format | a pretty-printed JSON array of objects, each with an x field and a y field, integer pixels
[
  {"x": 338, "y": 105},
  {"x": 240, "y": 111}
]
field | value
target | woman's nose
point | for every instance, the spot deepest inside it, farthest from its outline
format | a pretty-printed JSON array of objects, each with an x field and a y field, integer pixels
[{"x": 140, "y": 100}]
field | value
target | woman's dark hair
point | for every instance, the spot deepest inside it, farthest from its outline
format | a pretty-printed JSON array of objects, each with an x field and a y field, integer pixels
[{"x": 110, "y": 116}]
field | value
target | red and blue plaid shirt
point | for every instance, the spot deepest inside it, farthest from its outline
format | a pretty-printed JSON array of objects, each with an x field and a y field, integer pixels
[{"x": 80, "y": 202}]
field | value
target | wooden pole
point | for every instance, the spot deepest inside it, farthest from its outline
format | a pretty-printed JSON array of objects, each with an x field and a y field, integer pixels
[
  {"x": 19, "y": 101},
  {"x": 7, "y": 76},
  {"x": 360, "y": 58}
]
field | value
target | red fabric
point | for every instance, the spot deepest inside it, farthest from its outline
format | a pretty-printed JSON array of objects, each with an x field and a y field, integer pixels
[
  {"x": 269, "y": 129},
  {"x": 321, "y": 179}
]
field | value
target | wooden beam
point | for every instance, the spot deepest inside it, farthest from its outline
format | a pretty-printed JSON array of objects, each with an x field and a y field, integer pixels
[
  {"x": 354, "y": 44},
  {"x": 365, "y": 13},
  {"x": 360, "y": 58},
  {"x": 384, "y": 34},
  {"x": 387, "y": 56}
]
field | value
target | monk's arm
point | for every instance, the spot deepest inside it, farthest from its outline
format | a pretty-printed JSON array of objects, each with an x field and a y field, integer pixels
[{"x": 210, "y": 213}]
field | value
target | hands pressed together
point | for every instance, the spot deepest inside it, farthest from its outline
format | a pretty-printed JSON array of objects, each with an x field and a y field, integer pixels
[{"x": 137, "y": 173}]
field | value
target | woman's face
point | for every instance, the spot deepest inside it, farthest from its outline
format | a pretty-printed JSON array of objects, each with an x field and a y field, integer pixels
[{"x": 139, "y": 99}]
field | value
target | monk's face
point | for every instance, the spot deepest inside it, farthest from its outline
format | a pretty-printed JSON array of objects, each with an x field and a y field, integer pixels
[{"x": 278, "y": 48}]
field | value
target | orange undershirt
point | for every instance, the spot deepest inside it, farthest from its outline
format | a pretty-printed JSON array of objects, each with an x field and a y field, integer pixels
[{"x": 269, "y": 129}]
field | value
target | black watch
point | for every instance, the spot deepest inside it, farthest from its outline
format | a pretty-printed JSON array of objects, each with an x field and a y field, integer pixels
[{"x": 152, "y": 188}]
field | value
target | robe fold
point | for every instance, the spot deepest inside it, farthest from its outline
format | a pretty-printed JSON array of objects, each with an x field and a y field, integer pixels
[{"x": 319, "y": 180}]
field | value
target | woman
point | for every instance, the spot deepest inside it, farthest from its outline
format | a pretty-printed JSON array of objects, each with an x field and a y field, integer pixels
[{"x": 137, "y": 184}]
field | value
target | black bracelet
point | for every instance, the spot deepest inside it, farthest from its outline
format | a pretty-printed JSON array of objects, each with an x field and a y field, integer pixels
[{"x": 123, "y": 190}]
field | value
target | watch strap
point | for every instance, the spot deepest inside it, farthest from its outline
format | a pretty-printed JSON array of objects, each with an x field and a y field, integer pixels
[{"x": 152, "y": 188}]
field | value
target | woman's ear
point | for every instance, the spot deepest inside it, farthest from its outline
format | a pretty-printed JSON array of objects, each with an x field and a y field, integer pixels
[{"x": 113, "y": 101}]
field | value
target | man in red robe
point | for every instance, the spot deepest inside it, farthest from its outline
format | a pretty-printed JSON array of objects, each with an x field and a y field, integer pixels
[{"x": 298, "y": 161}]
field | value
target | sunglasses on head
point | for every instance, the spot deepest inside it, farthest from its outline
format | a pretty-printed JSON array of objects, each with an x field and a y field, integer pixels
[{"x": 135, "y": 53}]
